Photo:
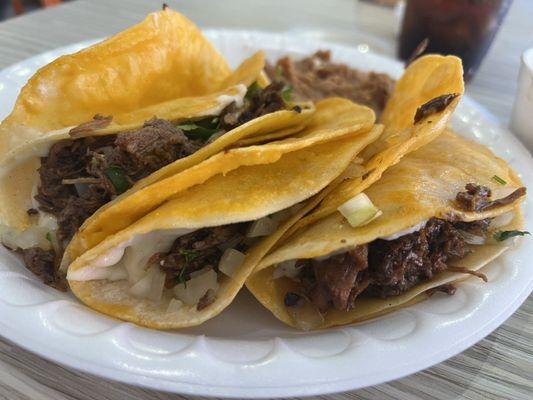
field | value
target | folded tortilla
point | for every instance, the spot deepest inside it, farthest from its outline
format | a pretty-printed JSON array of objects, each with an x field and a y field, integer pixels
[
  {"x": 425, "y": 81},
  {"x": 422, "y": 186},
  {"x": 163, "y": 67},
  {"x": 122, "y": 272}
]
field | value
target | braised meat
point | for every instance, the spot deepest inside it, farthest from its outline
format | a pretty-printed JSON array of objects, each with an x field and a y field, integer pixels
[
  {"x": 79, "y": 176},
  {"x": 259, "y": 102},
  {"x": 42, "y": 263},
  {"x": 400, "y": 264},
  {"x": 200, "y": 249},
  {"x": 317, "y": 77},
  {"x": 384, "y": 268},
  {"x": 337, "y": 280}
]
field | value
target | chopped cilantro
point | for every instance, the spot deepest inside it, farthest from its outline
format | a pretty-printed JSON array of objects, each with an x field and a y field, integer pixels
[
  {"x": 202, "y": 129},
  {"x": 501, "y": 181},
  {"x": 118, "y": 178},
  {"x": 286, "y": 93},
  {"x": 188, "y": 256},
  {"x": 500, "y": 236},
  {"x": 252, "y": 90},
  {"x": 181, "y": 276},
  {"x": 279, "y": 72}
]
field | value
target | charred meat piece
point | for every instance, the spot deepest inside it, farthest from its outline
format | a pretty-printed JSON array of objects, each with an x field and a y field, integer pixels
[
  {"x": 42, "y": 263},
  {"x": 433, "y": 106},
  {"x": 339, "y": 279},
  {"x": 261, "y": 102},
  {"x": 317, "y": 77},
  {"x": 400, "y": 264},
  {"x": 200, "y": 249},
  {"x": 477, "y": 198},
  {"x": 156, "y": 144}
]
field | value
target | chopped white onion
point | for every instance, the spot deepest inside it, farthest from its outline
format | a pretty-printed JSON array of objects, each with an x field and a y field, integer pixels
[
  {"x": 230, "y": 261},
  {"x": 286, "y": 268},
  {"x": 142, "y": 288},
  {"x": 262, "y": 227},
  {"x": 359, "y": 210},
  {"x": 306, "y": 316},
  {"x": 158, "y": 284},
  {"x": 501, "y": 220},
  {"x": 118, "y": 273},
  {"x": 174, "y": 305},
  {"x": 193, "y": 290},
  {"x": 48, "y": 221},
  {"x": 470, "y": 238},
  {"x": 34, "y": 236}
]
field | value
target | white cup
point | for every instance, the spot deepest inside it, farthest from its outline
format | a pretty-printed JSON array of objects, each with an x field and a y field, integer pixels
[{"x": 522, "y": 117}]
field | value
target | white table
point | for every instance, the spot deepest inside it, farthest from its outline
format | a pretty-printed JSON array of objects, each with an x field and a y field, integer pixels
[{"x": 498, "y": 367}]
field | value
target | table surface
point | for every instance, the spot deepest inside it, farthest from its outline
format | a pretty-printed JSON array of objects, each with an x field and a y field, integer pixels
[{"x": 498, "y": 367}]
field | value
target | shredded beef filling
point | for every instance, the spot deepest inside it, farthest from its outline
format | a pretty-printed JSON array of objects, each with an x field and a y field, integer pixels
[
  {"x": 43, "y": 264},
  {"x": 200, "y": 249},
  {"x": 261, "y": 102},
  {"x": 81, "y": 174},
  {"x": 385, "y": 268},
  {"x": 317, "y": 77}
]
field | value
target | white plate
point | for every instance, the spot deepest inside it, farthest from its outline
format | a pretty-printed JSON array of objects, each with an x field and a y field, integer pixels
[{"x": 245, "y": 352}]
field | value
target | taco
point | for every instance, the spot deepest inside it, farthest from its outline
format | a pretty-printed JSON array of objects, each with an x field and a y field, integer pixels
[
  {"x": 441, "y": 213},
  {"x": 184, "y": 260},
  {"x": 417, "y": 112},
  {"x": 163, "y": 100}
]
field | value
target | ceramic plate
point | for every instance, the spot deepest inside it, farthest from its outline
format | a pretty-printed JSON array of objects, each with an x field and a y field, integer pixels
[{"x": 245, "y": 352}]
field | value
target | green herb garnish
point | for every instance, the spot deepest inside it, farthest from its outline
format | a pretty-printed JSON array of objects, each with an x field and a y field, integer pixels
[
  {"x": 501, "y": 181},
  {"x": 181, "y": 277},
  {"x": 286, "y": 93},
  {"x": 49, "y": 237},
  {"x": 202, "y": 129},
  {"x": 279, "y": 72},
  {"x": 118, "y": 178},
  {"x": 500, "y": 236},
  {"x": 188, "y": 256},
  {"x": 252, "y": 90}
]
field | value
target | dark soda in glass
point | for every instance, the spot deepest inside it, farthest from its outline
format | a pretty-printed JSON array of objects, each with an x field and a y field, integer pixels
[{"x": 464, "y": 28}]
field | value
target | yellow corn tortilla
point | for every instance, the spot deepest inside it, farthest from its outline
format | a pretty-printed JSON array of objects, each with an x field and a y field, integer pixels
[
  {"x": 334, "y": 118},
  {"x": 119, "y": 77},
  {"x": 421, "y": 186},
  {"x": 425, "y": 79},
  {"x": 243, "y": 194}
]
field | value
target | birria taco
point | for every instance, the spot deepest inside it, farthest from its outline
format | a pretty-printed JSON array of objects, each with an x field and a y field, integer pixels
[
  {"x": 443, "y": 212},
  {"x": 95, "y": 126},
  {"x": 418, "y": 110},
  {"x": 184, "y": 258}
]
